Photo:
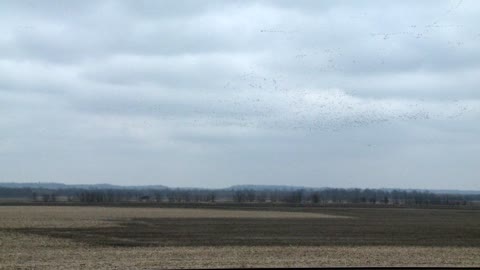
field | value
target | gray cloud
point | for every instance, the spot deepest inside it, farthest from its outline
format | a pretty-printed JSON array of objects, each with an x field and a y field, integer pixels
[{"x": 315, "y": 93}]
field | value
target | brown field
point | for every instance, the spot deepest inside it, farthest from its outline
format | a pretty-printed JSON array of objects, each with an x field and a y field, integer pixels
[{"x": 76, "y": 237}]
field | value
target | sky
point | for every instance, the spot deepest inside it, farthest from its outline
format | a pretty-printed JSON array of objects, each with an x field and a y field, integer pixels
[{"x": 377, "y": 94}]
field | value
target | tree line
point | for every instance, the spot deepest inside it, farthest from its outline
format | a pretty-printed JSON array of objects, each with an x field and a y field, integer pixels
[{"x": 292, "y": 196}]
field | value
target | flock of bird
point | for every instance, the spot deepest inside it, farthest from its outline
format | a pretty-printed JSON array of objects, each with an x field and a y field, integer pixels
[
  {"x": 260, "y": 99},
  {"x": 255, "y": 99}
]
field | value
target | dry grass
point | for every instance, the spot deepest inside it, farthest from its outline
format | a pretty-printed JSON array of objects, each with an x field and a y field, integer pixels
[
  {"x": 26, "y": 251},
  {"x": 21, "y": 251}
]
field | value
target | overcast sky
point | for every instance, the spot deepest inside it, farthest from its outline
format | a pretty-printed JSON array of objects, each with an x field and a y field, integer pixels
[{"x": 212, "y": 94}]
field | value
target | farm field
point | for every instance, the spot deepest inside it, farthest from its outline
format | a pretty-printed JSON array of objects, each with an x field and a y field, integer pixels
[{"x": 86, "y": 237}]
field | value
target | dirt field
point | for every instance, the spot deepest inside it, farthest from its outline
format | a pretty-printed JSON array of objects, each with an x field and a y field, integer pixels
[{"x": 68, "y": 237}]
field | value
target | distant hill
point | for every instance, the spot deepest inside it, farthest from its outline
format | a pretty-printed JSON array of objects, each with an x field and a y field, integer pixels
[
  {"x": 267, "y": 187},
  {"x": 454, "y": 191},
  {"x": 289, "y": 188},
  {"x": 57, "y": 186},
  {"x": 84, "y": 186},
  {"x": 438, "y": 191}
]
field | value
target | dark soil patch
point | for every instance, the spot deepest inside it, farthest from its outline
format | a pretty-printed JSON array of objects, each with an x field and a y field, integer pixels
[{"x": 368, "y": 227}]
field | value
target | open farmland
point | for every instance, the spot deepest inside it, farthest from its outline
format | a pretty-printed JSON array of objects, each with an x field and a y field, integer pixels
[{"x": 110, "y": 237}]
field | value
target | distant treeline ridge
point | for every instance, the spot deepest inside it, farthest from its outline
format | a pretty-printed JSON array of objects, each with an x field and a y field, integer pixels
[{"x": 298, "y": 196}]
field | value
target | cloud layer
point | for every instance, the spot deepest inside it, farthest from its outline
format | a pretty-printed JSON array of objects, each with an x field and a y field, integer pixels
[{"x": 188, "y": 93}]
